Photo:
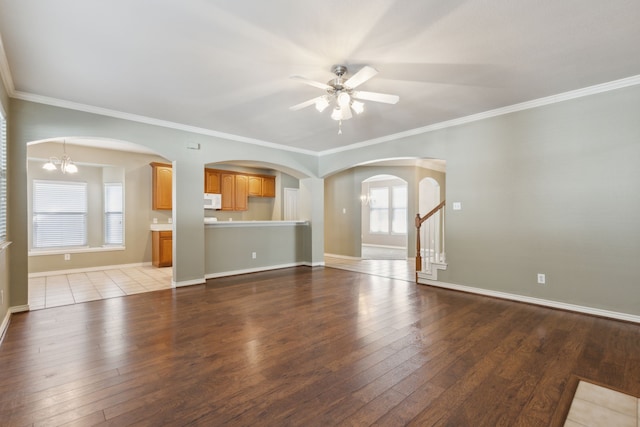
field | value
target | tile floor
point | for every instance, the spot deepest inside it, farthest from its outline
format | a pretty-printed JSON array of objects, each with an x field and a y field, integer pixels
[
  {"x": 596, "y": 406},
  {"x": 394, "y": 268},
  {"x": 64, "y": 289}
]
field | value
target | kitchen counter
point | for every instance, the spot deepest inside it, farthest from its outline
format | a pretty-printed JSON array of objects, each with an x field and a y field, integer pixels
[
  {"x": 254, "y": 223},
  {"x": 161, "y": 227}
]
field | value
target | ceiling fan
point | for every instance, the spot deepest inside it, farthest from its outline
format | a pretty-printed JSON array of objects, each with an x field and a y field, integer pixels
[{"x": 342, "y": 93}]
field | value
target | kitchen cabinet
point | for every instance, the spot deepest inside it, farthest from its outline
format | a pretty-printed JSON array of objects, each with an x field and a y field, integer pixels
[
  {"x": 262, "y": 186},
  {"x": 269, "y": 186},
  {"x": 212, "y": 181},
  {"x": 161, "y": 247},
  {"x": 235, "y": 191},
  {"x": 161, "y": 186},
  {"x": 255, "y": 186},
  {"x": 242, "y": 193}
]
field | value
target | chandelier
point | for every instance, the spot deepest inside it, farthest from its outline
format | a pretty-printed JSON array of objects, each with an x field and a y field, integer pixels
[{"x": 65, "y": 162}]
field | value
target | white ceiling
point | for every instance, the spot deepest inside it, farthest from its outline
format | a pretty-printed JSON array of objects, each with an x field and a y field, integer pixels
[{"x": 223, "y": 65}]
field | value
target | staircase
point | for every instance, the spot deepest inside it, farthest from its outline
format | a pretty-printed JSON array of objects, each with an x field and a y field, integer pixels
[{"x": 431, "y": 257}]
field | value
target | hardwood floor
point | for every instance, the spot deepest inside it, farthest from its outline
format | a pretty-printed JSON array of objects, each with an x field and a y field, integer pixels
[{"x": 307, "y": 346}]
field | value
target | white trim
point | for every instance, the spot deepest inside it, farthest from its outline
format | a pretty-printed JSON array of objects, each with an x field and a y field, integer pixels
[
  {"x": 43, "y": 252},
  {"x": 5, "y": 72},
  {"x": 151, "y": 121},
  {"x": 537, "y": 301},
  {"x": 578, "y": 93},
  {"x": 373, "y": 245},
  {"x": 313, "y": 264},
  {"x": 187, "y": 283},
  {"x": 553, "y": 99},
  {"x": 355, "y": 258},
  {"x": 7, "y": 318},
  {"x": 5, "y": 325},
  {"x": 19, "y": 308},
  {"x": 253, "y": 270},
  {"x": 4, "y": 245},
  {"x": 88, "y": 269}
]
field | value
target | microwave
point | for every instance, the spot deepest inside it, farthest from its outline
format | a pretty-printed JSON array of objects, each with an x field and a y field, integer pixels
[{"x": 212, "y": 201}]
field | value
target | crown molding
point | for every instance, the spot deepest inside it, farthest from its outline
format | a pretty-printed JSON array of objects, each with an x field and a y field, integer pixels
[
  {"x": 151, "y": 121},
  {"x": 5, "y": 71},
  {"x": 553, "y": 99}
]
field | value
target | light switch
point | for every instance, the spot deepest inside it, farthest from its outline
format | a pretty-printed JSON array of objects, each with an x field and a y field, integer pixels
[{"x": 457, "y": 206}]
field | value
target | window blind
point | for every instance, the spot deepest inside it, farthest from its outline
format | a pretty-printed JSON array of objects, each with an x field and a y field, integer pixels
[
  {"x": 3, "y": 179},
  {"x": 59, "y": 214},
  {"x": 113, "y": 214}
]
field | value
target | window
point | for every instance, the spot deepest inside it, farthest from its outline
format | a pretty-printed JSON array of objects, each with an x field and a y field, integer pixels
[
  {"x": 379, "y": 210},
  {"x": 59, "y": 214},
  {"x": 113, "y": 215},
  {"x": 388, "y": 209},
  {"x": 3, "y": 179},
  {"x": 399, "y": 211}
]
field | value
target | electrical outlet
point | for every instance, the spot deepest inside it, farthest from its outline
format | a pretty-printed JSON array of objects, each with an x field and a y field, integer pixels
[
  {"x": 67, "y": 257},
  {"x": 253, "y": 255},
  {"x": 541, "y": 279}
]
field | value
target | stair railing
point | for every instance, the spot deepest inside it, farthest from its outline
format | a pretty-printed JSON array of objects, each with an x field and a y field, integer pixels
[{"x": 430, "y": 249}]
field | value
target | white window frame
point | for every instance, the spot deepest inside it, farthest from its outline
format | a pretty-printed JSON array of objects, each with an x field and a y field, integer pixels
[
  {"x": 3, "y": 180},
  {"x": 113, "y": 209}
]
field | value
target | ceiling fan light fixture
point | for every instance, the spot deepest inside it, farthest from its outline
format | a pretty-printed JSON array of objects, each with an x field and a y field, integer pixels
[
  {"x": 357, "y": 106},
  {"x": 344, "y": 99},
  {"x": 336, "y": 114},
  {"x": 322, "y": 103}
]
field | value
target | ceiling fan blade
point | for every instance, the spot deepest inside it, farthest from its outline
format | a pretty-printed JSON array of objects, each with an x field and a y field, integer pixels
[
  {"x": 377, "y": 97},
  {"x": 360, "y": 77},
  {"x": 305, "y": 104},
  {"x": 311, "y": 82}
]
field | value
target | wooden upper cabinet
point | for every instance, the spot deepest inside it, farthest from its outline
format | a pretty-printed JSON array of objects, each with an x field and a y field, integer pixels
[
  {"x": 262, "y": 186},
  {"x": 269, "y": 186},
  {"x": 161, "y": 186},
  {"x": 242, "y": 193},
  {"x": 255, "y": 186},
  {"x": 212, "y": 181},
  {"x": 235, "y": 191},
  {"x": 228, "y": 190}
]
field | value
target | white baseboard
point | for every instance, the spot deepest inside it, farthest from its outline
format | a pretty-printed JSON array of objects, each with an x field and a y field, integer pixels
[
  {"x": 7, "y": 318},
  {"x": 313, "y": 264},
  {"x": 252, "y": 270},
  {"x": 537, "y": 301},
  {"x": 373, "y": 245},
  {"x": 188, "y": 283},
  {"x": 89, "y": 269},
  {"x": 354, "y": 258},
  {"x": 5, "y": 325}
]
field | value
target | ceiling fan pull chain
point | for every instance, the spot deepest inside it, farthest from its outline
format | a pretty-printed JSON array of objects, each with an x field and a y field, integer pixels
[{"x": 340, "y": 127}]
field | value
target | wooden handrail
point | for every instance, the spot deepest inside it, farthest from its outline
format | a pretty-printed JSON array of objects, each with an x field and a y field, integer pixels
[
  {"x": 419, "y": 222},
  {"x": 431, "y": 213}
]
